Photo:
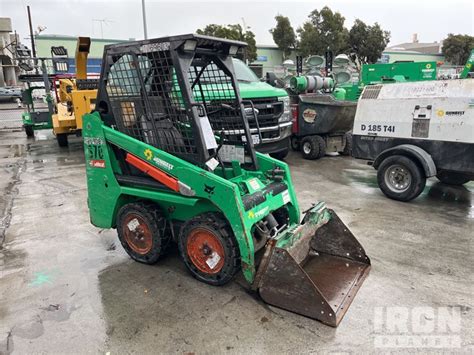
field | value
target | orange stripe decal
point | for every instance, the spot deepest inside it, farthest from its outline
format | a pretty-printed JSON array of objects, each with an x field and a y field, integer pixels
[{"x": 154, "y": 172}]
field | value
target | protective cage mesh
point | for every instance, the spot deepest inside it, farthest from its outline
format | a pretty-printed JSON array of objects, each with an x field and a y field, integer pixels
[{"x": 149, "y": 103}]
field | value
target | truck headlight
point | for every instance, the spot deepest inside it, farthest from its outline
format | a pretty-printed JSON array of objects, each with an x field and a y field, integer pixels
[{"x": 285, "y": 116}]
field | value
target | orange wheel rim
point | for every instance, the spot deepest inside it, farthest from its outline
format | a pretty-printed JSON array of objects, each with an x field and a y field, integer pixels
[
  {"x": 137, "y": 234},
  {"x": 205, "y": 251}
]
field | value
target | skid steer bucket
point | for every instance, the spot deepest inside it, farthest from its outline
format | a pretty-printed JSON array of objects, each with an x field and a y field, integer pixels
[{"x": 315, "y": 270}]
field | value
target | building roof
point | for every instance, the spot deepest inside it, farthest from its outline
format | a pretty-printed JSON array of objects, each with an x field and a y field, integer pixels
[
  {"x": 74, "y": 38},
  {"x": 425, "y": 48}
]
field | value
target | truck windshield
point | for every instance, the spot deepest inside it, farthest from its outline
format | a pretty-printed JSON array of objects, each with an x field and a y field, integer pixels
[{"x": 243, "y": 72}]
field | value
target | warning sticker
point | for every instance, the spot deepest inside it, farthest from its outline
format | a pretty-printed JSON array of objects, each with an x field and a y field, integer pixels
[
  {"x": 97, "y": 163},
  {"x": 133, "y": 224},
  {"x": 229, "y": 153},
  {"x": 286, "y": 197},
  {"x": 213, "y": 260},
  {"x": 254, "y": 183}
]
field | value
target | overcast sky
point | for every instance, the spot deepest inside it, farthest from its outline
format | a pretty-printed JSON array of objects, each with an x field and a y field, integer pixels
[{"x": 432, "y": 20}]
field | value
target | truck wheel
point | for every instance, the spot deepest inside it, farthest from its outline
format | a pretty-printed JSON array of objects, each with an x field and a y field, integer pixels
[
  {"x": 139, "y": 228},
  {"x": 400, "y": 178},
  {"x": 295, "y": 144},
  {"x": 348, "y": 146},
  {"x": 62, "y": 139},
  {"x": 452, "y": 178},
  {"x": 209, "y": 249},
  {"x": 30, "y": 132},
  {"x": 280, "y": 155},
  {"x": 313, "y": 147}
]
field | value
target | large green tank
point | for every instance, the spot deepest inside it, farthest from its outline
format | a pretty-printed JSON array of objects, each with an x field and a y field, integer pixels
[{"x": 396, "y": 72}]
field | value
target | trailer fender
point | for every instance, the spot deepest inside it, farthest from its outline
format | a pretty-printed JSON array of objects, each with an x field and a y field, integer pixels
[{"x": 411, "y": 151}]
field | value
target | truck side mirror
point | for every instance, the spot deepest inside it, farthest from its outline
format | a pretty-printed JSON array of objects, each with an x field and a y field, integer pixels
[{"x": 271, "y": 78}]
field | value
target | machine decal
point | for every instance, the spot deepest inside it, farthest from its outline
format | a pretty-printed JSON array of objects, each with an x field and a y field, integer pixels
[
  {"x": 259, "y": 214},
  {"x": 454, "y": 113},
  {"x": 209, "y": 189},
  {"x": 100, "y": 163},
  {"x": 213, "y": 260},
  {"x": 309, "y": 115},
  {"x": 440, "y": 113},
  {"x": 133, "y": 224},
  {"x": 148, "y": 154},
  {"x": 163, "y": 164},
  {"x": 95, "y": 151},
  {"x": 377, "y": 128}
]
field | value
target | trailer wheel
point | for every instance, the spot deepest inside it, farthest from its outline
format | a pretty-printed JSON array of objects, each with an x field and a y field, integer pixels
[
  {"x": 348, "y": 146},
  {"x": 295, "y": 144},
  {"x": 313, "y": 147},
  {"x": 452, "y": 178},
  {"x": 209, "y": 249},
  {"x": 400, "y": 178},
  {"x": 62, "y": 139},
  {"x": 140, "y": 230},
  {"x": 30, "y": 132}
]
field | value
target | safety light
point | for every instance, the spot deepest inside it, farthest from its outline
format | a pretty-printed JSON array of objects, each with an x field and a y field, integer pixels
[
  {"x": 233, "y": 50},
  {"x": 190, "y": 45},
  {"x": 59, "y": 51},
  {"x": 25, "y": 66}
]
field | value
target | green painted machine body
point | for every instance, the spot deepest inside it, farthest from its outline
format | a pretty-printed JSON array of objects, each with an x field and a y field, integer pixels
[
  {"x": 36, "y": 118},
  {"x": 163, "y": 136},
  {"x": 106, "y": 195},
  {"x": 468, "y": 67},
  {"x": 397, "y": 72}
]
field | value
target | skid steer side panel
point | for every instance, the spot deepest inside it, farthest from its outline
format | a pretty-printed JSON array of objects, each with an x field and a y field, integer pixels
[
  {"x": 102, "y": 187},
  {"x": 106, "y": 195},
  {"x": 317, "y": 272}
]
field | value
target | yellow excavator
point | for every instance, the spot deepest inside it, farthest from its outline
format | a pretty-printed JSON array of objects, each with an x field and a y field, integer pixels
[{"x": 75, "y": 96}]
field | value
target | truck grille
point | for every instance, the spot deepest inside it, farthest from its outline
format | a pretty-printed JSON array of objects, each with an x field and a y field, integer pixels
[{"x": 269, "y": 111}]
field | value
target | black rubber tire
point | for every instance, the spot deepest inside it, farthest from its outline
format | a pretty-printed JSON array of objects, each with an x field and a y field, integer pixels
[
  {"x": 30, "y": 132},
  {"x": 221, "y": 229},
  {"x": 348, "y": 146},
  {"x": 451, "y": 178},
  {"x": 280, "y": 155},
  {"x": 295, "y": 144},
  {"x": 317, "y": 147},
  {"x": 62, "y": 139},
  {"x": 151, "y": 214},
  {"x": 418, "y": 178}
]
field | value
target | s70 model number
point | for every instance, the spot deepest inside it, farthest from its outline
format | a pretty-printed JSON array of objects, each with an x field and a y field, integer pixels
[{"x": 377, "y": 128}]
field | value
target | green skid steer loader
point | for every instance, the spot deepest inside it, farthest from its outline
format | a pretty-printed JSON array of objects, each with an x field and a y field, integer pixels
[{"x": 170, "y": 157}]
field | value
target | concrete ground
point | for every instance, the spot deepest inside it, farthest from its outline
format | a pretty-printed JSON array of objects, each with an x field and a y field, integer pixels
[{"x": 68, "y": 287}]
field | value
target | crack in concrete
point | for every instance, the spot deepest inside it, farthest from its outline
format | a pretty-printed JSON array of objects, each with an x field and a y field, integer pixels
[
  {"x": 9, "y": 195},
  {"x": 7, "y": 347}
]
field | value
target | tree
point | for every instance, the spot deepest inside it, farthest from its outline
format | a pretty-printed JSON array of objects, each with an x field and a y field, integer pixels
[
  {"x": 324, "y": 29},
  {"x": 367, "y": 42},
  {"x": 456, "y": 48},
  {"x": 284, "y": 35},
  {"x": 234, "y": 32}
]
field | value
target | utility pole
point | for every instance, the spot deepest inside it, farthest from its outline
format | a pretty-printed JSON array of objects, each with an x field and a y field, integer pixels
[
  {"x": 33, "y": 49},
  {"x": 144, "y": 19}
]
